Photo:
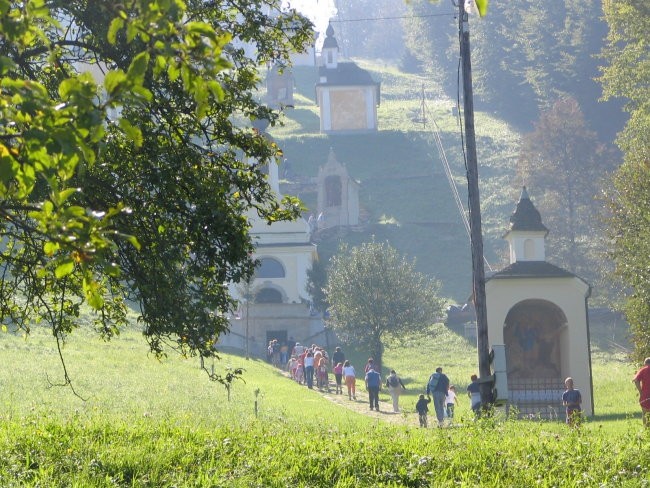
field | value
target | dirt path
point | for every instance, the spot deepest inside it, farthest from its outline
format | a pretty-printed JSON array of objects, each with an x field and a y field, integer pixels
[{"x": 406, "y": 416}]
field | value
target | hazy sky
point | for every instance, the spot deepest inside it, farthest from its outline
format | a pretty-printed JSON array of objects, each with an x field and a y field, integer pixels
[{"x": 318, "y": 11}]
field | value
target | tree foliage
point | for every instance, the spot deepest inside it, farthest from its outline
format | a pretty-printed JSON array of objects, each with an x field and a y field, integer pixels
[
  {"x": 375, "y": 294},
  {"x": 316, "y": 283},
  {"x": 627, "y": 75},
  {"x": 525, "y": 55},
  {"x": 563, "y": 161},
  {"x": 132, "y": 185},
  {"x": 369, "y": 28}
]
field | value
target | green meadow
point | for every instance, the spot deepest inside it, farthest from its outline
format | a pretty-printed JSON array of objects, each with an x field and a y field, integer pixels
[{"x": 134, "y": 421}]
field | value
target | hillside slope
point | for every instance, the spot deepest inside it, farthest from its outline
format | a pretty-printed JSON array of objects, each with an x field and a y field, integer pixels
[{"x": 405, "y": 197}]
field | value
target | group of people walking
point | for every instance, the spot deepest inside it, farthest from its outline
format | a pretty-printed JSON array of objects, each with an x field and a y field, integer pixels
[
  {"x": 374, "y": 383},
  {"x": 444, "y": 398},
  {"x": 309, "y": 363}
]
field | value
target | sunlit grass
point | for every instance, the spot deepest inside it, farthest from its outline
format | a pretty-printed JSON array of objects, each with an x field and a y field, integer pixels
[{"x": 151, "y": 423}]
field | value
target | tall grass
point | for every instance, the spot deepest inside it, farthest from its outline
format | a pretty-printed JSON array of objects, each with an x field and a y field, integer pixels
[{"x": 149, "y": 423}]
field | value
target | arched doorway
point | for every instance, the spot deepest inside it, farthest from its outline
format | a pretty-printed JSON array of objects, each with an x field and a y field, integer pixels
[{"x": 534, "y": 343}]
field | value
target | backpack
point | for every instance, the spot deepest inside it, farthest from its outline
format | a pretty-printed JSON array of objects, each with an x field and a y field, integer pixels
[
  {"x": 433, "y": 382},
  {"x": 393, "y": 381}
]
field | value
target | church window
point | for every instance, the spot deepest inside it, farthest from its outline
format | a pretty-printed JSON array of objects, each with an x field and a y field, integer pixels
[
  {"x": 270, "y": 268},
  {"x": 529, "y": 249}
]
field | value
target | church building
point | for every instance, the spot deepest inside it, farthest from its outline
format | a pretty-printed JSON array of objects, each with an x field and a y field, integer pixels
[{"x": 275, "y": 304}]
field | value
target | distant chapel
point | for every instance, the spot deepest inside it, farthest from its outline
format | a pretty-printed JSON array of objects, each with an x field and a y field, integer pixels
[
  {"x": 275, "y": 305},
  {"x": 346, "y": 94}
]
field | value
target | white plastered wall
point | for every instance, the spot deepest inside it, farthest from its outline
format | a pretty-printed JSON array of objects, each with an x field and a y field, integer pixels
[{"x": 567, "y": 293}]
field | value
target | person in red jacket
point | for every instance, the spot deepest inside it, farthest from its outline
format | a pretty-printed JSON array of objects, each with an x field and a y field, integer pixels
[{"x": 642, "y": 382}]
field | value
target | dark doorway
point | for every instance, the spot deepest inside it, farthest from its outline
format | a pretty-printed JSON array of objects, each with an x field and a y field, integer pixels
[{"x": 280, "y": 335}]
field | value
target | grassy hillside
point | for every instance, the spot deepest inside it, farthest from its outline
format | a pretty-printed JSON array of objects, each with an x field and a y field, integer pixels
[
  {"x": 405, "y": 196},
  {"x": 145, "y": 423}
]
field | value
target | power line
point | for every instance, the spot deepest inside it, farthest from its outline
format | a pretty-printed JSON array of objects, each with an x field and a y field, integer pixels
[
  {"x": 435, "y": 130},
  {"x": 449, "y": 14}
]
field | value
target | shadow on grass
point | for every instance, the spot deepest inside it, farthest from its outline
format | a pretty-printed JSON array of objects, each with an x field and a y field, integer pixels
[{"x": 615, "y": 416}]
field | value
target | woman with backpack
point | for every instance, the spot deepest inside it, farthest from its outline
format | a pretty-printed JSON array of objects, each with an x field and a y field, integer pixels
[{"x": 395, "y": 387}]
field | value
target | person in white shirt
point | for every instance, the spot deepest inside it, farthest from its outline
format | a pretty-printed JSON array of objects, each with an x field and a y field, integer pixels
[
  {"x": 350, "y": 380},
  {"x": 451, "y": 401}
]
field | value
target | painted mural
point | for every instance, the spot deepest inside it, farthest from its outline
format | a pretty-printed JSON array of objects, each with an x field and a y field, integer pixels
[{"x": 532, "y": 335}]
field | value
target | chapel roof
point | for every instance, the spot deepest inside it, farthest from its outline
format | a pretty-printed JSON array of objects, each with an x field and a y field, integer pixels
[
  {"x": 526, "y": 217},
  {"x": 532, "y": 269},
  {"x": 330, "y": 40},
  {"x": 345, "y": 74}
]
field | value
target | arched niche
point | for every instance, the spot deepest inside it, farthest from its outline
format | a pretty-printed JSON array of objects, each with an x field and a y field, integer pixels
[
  {"x": 533, "y": 334},
  {"x": 529, "y": 249},
  {"x": 333, "y": 191}
]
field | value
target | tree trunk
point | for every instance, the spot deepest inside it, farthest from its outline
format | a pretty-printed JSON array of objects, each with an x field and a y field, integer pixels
[{"x": 377, "y": 353}]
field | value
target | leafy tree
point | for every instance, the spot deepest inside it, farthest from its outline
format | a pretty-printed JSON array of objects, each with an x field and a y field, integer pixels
[
  {"x": 134, "y": 186},
  {"x": 361, "y": 34},
  {"x": 564, "y": 162},
  {"x": 375, "y": 294},
  {"x": 316, "y": 283},
  {"x": 627, "y": 75},
  {"x": 525, "y": 55}
]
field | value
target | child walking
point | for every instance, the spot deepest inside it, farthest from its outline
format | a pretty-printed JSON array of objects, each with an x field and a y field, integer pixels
[
  {"x": 451, "y": 401},
  {"x": 422, "y": 407}
]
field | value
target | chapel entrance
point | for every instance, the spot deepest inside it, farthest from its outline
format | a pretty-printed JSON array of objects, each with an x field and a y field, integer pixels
[{"x": 535, "y": 340}]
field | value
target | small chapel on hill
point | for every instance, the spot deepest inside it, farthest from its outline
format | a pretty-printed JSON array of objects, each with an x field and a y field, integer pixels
[
  {"x": 537, "y": 312},
  {"x": 346, "y": 94}
]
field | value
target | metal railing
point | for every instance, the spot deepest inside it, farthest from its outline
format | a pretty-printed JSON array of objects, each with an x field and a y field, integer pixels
[{"x": 536, "y": 397}]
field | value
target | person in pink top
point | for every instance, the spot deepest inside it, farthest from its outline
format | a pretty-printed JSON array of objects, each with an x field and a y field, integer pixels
[
  {"x": 369, "y": 365},
  {"x": 642, "y": 382}
]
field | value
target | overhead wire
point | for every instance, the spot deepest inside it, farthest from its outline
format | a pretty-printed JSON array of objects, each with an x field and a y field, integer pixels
[
  {"x": 397, "y": 17},
  {"x": 449, "y": 174}
]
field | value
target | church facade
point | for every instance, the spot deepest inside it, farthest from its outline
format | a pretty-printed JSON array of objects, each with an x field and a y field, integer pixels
[{"x": 275, "y": 304}]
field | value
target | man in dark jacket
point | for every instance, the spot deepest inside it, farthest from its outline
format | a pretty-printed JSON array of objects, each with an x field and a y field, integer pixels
[
  {"x": 338, "y": 357},
  {"x": 437, "y": 387},
  {"x": 373, "y": 384}
]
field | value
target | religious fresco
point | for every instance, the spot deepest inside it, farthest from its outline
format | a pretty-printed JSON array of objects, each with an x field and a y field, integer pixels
[
  {"x": 348, "y": 109},
  {"x": 532, "y": 336}
]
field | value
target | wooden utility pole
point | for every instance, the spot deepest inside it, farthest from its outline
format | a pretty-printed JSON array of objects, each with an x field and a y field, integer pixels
[{"x": 476, "y": 237}]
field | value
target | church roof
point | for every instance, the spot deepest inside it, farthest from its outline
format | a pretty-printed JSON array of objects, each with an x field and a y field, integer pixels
[
  {"x": 526, "y": 217},
  {"x": 532, "y": 269},
  {"x": 345, "y": 74}
]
